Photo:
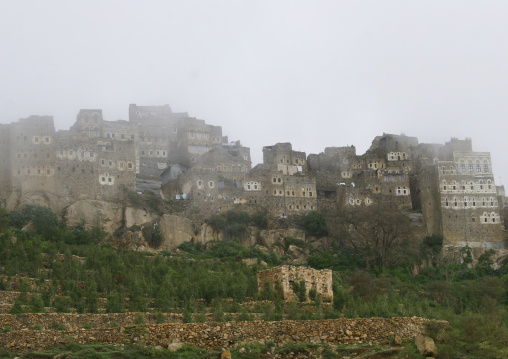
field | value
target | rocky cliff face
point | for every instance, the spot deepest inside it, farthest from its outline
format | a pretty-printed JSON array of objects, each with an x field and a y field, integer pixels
[
  {"x": 126, "y": 226},
  {"x": 105, "y": 215}
]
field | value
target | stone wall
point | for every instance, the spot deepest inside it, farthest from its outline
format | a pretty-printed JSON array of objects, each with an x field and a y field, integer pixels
[{"x": 224, "y": 335}]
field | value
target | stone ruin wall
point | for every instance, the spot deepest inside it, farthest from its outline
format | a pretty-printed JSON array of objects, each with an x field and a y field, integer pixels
[
  {"x": 320, "y": 280},
  {"x": 215, "y": 336}
]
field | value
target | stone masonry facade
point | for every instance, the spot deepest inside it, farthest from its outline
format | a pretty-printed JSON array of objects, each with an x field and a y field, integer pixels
[{"x": 188, "y": 160}]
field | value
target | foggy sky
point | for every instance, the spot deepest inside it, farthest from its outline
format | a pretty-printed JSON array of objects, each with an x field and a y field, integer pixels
[{"x": 314, "y": 73}]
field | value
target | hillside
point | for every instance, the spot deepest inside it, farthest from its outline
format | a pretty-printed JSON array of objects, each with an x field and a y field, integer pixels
[{"x": 47, "y": 267}]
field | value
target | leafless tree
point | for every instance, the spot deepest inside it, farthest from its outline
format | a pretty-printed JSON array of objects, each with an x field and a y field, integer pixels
[{"x": 381, "y": 235}]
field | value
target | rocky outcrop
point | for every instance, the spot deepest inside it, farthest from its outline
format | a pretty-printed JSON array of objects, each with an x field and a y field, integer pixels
[
  {"x": 47, "y": 199},
  {"x": 208, "y": 234},
  {"x": 105, "y": 215},
  {"x": 137, "y": 216},
  {"x": 176, "y": 230},
  {"x": 298, "y": 255},
  {"x": 269, "y": 237}
]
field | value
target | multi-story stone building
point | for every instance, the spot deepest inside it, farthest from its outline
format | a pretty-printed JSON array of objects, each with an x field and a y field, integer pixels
[
  {"x": 452, "y": 185},
  {"x": 470, "y": 211}
]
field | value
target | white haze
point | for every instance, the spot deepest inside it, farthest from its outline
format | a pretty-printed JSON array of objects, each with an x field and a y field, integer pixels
[{"x": 314, "y": 73}]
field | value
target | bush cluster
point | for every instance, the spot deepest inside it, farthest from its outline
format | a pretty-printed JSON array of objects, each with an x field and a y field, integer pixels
[{"x": 234, "y": 223}]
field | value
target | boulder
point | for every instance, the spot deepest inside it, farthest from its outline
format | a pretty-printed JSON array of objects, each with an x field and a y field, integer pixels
[
  {"x": 250, "y": 261},
  {"x": 138, "y": 216},
  {"x": 105, "y": 215},
  {"x": 295, "y": 233},
  {"x": 176, "y": 230},
  {"x": 268, "y": 237},
  {"x": 298, "y": 255},
  {"x": 397, "y": 340},
  {"x": 174, "y": 346},
  {"x": 250, "y": 238},
  {"x": 208, "y": 234},
  {"x": 47, "y": 199},
  {"x": 426, "y": 346}
]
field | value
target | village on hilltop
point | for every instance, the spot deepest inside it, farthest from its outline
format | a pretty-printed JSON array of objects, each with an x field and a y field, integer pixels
[{"x": 183, "y": 158}]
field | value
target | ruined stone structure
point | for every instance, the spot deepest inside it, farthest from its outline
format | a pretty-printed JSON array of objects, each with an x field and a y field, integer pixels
[
  {"x": 319, "y": 280},
  {"x": 183, "y": 158}
]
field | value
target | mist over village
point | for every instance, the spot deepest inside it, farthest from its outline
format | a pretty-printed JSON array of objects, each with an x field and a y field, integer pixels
[{"x": 253, "y": 180}]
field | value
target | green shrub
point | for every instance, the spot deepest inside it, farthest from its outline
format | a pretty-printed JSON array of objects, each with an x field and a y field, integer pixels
[
  {"x": 314, "y": 224},
  {"x": 61, "y": 304},
  {"x": 227, "y": 249},
  {"x": 217, "y": 311},
  {"x": 260, "y": 219},
  {"x": 300, "y": 290},
  {"x": 218, "y": 222},
  {"x": 323, "y": 260},
  {"x": 200, "y": 317},
  {"x": 115, "y": 302},
  {"x": 36, "y": 304},
  {"x": 139, "y": 319},
  {"x": 152, "y": 201},
  {"x": 189, "y": 247},
  {"x": 58, "y": 326},
  {"x": 186, "y": 315},
  {"x": 16, "y": 308},
  {"x": 239, "y": 217},
  {"x": 36, "y": 327},
  {"x": 244, "y": 316},
  {"x": 312, "y": 294},
  {"x": 160, "y": 318},
  {"x": 236, "y": 230}
]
